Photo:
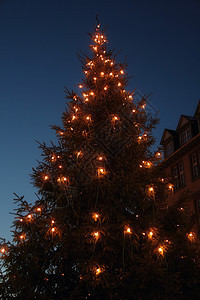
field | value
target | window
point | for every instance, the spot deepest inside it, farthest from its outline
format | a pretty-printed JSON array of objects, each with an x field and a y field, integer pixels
[
  {"x": 178, "y": 176},
  {"x": 169, "y": 149},
  {"x": 186, "y": 136},
  {"x": 195, "y": 165}
]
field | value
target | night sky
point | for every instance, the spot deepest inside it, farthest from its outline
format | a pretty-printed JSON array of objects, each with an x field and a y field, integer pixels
[{"x": 39, "y": 41}]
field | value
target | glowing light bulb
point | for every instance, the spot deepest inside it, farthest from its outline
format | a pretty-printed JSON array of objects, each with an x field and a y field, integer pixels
[
  {"x": 121, "y": 71},
  {"x": 60, "y": 167},
  {"x": 102, "y": 73},
  {"x": 21, "y": 220},
  {"x": 143, "y": 106},
  {"x": 101, "y": 172},
  {"x": 161, "y": 250},
  {"x": 73, "y": 118},
  {"x": 191, "y": 236},
  {"x": 150, "y": 234},
  {"x": 98, "y": 271},
  {"x": 3, "y": 250},
  {"x": 80, "y": 86},
  {"x": 88, "y": 118},
  {"x": 52, "y": 221},
  {"x": 111, "y": 74},
  {"x": 29, "y": 216},
  {"x": 100, "y": 158},
  {"x": 92, "y": 93},
  {"x": 95, "y": 216},
  {"x": 46, "y": 177},
  {"x": 96, "y": 234},
  {"x": 170, "y": 186},
  {"x": 105, "y": 88},
  {"x": 119, "y": 84},
  {"x": 158, "y": 154},
  {"x": 133, "y": 110},
  {"x": 53, "y": 229},
  {"x": 38, "y": 209},
  {"x": 151, "y": 189},
  {"x": 21, "y": 237},
  {"x": 78, "y": 154},
  {"x": 95, "y": 78},
  {"x": 95, "y": 48},
  {"x": 130, "y": 97},
  {"x": 127, "y": 230}
]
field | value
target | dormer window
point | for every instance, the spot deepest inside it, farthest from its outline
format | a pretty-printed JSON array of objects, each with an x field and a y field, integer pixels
[
  {"x": 186, "y": 135},
  {"x": 169, "y": 149}
]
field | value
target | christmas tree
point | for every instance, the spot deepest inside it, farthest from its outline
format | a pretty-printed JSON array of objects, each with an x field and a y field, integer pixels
[{"x": 100, "y": 228}]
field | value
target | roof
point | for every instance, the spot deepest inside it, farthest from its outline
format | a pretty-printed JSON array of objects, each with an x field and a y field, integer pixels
[{"x": 167, "y": 133}]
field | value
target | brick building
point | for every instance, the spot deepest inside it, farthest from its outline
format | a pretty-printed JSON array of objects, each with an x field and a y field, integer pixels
[{"x": 182, "y": 160}]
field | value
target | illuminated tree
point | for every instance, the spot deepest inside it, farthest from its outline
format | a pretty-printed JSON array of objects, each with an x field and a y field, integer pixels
[{"x": 100, "y": 228}]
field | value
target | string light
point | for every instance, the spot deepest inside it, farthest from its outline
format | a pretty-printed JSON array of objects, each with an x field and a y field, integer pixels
[
  {"x": 95, "y": 216},
  {"x": 121, "y": 71},
  {"x": 98, "y": 271},
  {"x": 101, "y": 172},
  {"x": 38, "y": 209},
  {"x": 79, "y": 153},
  {"x": 119, "y": 84},
  {"x": 3, "y": 250},
  {"x": 80, "y": 86},
  {"x": 46, "y": 177},
  {"x": 102, "y": 73},
  {"x": 170, "y": 186},
  {"x": 29, "y": 216},
  {"x": 115, "y": 118},
  {"x": 150, "y": 234},
  {"x": 127, "y": 230},
  {"x": 88, "y": 118},
  {"x": 133, "y": 110},
  {"x": 151, "y": 189},
  {"x": 158, "y": 154},
  {"x": 191, "y": 236},
  {"x": 161, "y": 250}
]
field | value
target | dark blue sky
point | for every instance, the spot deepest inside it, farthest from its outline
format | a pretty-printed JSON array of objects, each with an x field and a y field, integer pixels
[{"x": 38, "y": 44}]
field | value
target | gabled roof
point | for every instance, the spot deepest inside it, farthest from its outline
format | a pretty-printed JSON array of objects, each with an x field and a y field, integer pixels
[
  {"x": 183, "y": 120},
  {"x": 166, "y": 134}
]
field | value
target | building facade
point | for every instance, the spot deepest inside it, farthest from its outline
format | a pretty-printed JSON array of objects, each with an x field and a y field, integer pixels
[{"x": 181, "y": 162}]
